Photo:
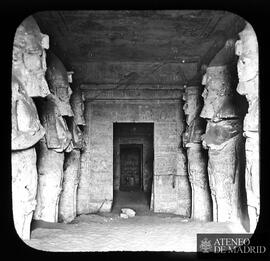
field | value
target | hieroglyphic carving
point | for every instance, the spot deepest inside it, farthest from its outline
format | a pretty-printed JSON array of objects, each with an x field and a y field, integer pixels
[{"x": 248, "y": 70}]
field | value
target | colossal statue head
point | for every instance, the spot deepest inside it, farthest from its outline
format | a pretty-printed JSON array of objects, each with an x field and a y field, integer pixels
[
  {"x": 192, "y": 108},
  {"x": 221, "y": 100},
  {"x": 29, "y": 58},
  {"x": 193, "y": 103},
  {"x": 57, "y": 78},
  {"x": 247, "y": 50},
  {"x": 217, "y": 81},
  {"x": 26, "y": 127},
  {"x": 77, "y": 103},
  {"x": 248, "y": 66},
  {"x": 57, "y": 134}
]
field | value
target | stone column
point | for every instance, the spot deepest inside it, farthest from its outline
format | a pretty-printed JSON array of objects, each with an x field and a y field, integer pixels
[
  {"x": 181, "y": 182},
  {"x": 248, "y": 70},
  {"x": 68, "y": 198},
  {"x": 224, "y": 110},
  {"x": 197, "y": 160},
  {"x": 28, "y": 71},
  {"x": 57, "y": 141}
]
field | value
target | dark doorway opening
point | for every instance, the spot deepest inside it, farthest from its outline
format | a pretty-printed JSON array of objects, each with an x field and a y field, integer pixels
[{"x": 133, "y": 166}]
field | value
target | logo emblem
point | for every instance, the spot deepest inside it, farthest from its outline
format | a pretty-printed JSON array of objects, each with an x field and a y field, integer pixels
[{"x": 205, "y": 245}]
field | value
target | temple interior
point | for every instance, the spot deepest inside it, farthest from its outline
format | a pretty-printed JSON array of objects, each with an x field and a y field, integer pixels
[{"x": 134, "y": 130}]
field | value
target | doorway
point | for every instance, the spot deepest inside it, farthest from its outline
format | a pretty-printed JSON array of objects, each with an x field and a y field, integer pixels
[{"x": 131, "y": 167}]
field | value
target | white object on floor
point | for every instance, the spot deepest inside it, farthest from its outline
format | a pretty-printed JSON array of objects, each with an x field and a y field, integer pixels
[
  {"x": 122, "y": 215},
  {"x": 129, "y": 212}
]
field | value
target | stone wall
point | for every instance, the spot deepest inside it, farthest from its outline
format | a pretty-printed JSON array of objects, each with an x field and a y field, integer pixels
[{"x": 98, "y": 168}]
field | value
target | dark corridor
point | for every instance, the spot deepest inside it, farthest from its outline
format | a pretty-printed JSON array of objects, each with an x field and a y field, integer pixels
[{"x": 133, "y": 165}]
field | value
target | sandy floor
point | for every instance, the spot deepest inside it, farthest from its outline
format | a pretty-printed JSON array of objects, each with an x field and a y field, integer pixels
[{"x": 146, "y": 231}]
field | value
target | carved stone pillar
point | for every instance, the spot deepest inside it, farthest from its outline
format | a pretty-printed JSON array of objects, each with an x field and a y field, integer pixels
[
  {"x": 67, "y": 206},
  {"x": 50, "y": 176},
  {"x": 248, "y": 69},
  {"x": 226, "y": 169},
  {"x": 28, "y": 80},
  {"x": 24, "y": 188},
  {"x": 68, "y": 199},
  {"x": 77, "y": 103},
  {"x": 224, "y": 109},
  {"x": 197, "y": 162},
  {"x": 57, "y": 141},
  {"x": 181, "y": 183}
]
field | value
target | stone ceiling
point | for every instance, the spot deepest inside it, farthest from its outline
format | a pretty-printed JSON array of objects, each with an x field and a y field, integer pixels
[{"x": 80, "y": 37}]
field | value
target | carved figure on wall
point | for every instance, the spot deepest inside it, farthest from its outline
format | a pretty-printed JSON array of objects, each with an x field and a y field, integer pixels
[
  {"x": 197, "y": 162},
  {"x": 248, "y": 70}
]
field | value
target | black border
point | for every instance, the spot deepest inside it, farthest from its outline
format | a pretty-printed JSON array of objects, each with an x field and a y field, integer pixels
[{"x": 256, "y": 12}]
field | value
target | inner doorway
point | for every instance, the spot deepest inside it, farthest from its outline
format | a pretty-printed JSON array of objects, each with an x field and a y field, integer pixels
[{"x": 131, "y": 167}]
